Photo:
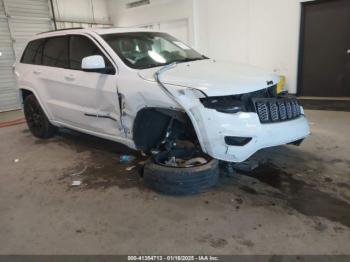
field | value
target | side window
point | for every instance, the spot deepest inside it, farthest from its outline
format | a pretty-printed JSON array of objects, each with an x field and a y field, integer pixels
[
  {"x": 33, "y": 52},
  {"x": 56, "y": 52},
  {"x": 38, "y": 58},
  {"x": 80, "y": 47}
]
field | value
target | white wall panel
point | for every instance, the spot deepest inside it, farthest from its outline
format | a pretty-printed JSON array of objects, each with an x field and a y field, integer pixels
[
  {"x": 19, "y": 20},
  {"x": 2, "y": 9},
  {"x": 22, "y": 29},
  {"x": 8, "y": 94},
  {"x": 264, "y": 33},
  {"x": 158, "y": 12},
  {"x": 177, "y": 28},
  {"x": 261, "y": 33},
  {"x": 28, "y": 8},
  {"x": 83, "y": 11}
]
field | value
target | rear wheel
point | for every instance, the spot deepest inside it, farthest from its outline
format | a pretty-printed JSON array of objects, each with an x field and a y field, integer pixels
[
  {"x": 37, "y": 121},
  {"x": 181, "y": 172}
]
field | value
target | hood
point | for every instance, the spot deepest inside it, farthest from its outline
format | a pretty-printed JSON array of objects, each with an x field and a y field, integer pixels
[{"x": 215, "y": 78}]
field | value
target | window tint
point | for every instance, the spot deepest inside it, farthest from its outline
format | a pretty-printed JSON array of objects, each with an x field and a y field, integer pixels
[
  {"x": 33, "y": 52},
  {"x": 56, "y": 52},
  {"x": 80, "y": 47}
]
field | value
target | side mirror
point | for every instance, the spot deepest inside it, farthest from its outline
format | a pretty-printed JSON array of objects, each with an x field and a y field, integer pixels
[{"x": 94, "y": 63}]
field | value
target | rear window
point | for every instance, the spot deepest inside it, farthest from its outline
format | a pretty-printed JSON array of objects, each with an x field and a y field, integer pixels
[
  {"x": 63, "y": 51},
  {"x": 33, "y": 52},
  {"x": 56, "y": 52}
]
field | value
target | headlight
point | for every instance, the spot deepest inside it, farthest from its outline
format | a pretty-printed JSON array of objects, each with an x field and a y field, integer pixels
[{"x": 224, "y": 104}]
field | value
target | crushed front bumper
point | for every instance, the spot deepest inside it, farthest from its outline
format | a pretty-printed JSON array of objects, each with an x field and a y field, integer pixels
[{"x": 214, "y": 126}]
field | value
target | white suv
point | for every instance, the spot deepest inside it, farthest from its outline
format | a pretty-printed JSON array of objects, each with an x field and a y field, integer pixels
[{"x": 148, "y": 90}]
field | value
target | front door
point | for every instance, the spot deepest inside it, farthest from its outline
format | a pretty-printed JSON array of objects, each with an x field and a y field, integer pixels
[
  {"x": 325, "y": 45},
  {"x": 87, "y": 101},
  {"x": 104, "y": 115}
]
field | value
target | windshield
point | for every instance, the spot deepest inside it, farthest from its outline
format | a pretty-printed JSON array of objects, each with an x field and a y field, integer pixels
[{"x": 149, "y": 49}]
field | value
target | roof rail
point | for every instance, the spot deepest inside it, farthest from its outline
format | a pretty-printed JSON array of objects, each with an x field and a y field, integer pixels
[{"x": 60, "y": 30}]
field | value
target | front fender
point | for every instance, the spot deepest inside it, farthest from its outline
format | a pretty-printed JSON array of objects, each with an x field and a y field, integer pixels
[{"x": 194, "y": 109}]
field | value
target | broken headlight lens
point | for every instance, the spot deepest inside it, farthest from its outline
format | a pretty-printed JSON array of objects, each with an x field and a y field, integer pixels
[{"x": 224, "y": 104}]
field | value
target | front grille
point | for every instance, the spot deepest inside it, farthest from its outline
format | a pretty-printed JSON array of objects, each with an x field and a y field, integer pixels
[{"x": 273, "y": 110}]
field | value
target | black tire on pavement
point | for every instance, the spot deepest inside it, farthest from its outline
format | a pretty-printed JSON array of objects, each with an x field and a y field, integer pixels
[
  {"x": 37, "y": 121},
  {"x": 181, "y": 181}
]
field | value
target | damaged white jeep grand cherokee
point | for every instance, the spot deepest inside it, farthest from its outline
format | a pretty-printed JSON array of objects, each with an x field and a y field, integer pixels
[{"x": 148, "y": 90}]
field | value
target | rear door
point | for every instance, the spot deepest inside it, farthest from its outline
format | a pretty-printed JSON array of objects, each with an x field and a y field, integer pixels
[{"x": 66, "y": 105}]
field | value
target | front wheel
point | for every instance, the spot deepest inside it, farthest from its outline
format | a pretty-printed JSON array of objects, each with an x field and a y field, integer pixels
[
  {"x": 181, "y": 172},
  {"x": 37, "y": 121}
]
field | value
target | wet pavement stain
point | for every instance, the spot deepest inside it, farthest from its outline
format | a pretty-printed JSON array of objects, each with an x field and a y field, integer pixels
[
  {"x": 106, "y": 172},
  {"x": 303, "y": 197},
  {"x": 218, "y": 243},
  {"x": 249, "y": 190},
  {"x": 102, "y": 169},
  {"x": 81, "y": 142},
  {"x": 343, "y": 185},
  {"x": 213, "y": 242},
  {"x": 26, "y": 131},
  {"x": 339, "y": 161}
]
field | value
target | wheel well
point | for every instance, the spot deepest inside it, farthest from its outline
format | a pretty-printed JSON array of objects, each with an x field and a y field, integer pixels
[
  {"x": 153, "y": 124},
  {"x": 25, "y": 93}
]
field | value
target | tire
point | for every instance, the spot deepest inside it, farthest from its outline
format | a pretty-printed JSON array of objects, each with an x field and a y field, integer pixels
[
  {"x": 181, "y": 181},
  {"x": 37, "y": 121}
]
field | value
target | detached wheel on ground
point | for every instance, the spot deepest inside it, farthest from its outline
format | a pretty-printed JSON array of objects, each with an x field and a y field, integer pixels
[
  {"x": 181, "y": 172},
  {"x": 37, "y": 121}
]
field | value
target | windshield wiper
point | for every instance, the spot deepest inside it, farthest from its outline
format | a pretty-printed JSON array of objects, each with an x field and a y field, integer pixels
[
  {"x": 174, "y": 61},
  {"x": 151, "y": 65},
  {"x": 188, "y": 60}
]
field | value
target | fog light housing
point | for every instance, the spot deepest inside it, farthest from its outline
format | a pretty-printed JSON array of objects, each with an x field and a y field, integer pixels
[{"x": 237, "y": 141}]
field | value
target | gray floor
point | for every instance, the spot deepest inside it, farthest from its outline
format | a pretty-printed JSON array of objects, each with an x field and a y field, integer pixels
[{"x": 297, "y": 202}]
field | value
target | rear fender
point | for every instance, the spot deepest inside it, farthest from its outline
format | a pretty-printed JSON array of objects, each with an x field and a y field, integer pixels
[{"x": 42, "y": 105}]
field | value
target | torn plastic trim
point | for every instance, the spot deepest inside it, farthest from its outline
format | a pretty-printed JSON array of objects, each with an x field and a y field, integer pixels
[
  {"x": 158, "y": 75},
  {"x": 195, "y": 90},
  {"x": 121, "y": 102},
  {"x": 184, "y": 102}
]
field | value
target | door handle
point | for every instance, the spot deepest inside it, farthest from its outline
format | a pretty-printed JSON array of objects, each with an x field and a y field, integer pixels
[
  {"x": 348, "y": 51},
  {"x": 70, "y": 77},
  {"x": 37, "y": 72}
]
